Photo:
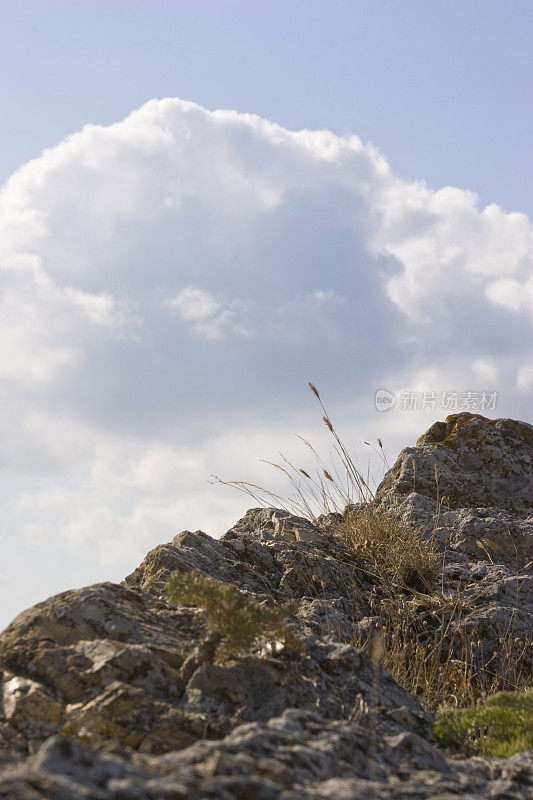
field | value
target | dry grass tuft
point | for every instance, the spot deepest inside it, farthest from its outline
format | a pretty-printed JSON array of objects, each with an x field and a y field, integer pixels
[
  {"x": 326, "y": 488},
  {"x": 422, "y": 655},
  {"x": 430, "y": 650},
  {"x": 396, "y": 554}
]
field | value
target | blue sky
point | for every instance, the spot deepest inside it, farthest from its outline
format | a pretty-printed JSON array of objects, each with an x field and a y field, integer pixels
[
  {"x": 357, "y": 212},
  {"x": 443, "y": 88}
]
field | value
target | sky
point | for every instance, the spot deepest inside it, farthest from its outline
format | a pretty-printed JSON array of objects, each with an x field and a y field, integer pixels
[{"x": 204, "y": 206}]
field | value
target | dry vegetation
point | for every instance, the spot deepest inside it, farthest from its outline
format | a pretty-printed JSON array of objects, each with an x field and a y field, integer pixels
[
  {"x": 394, "y": 552},
  {"x": 422, "y": 641},
  {"x": 436, "y": 658}
]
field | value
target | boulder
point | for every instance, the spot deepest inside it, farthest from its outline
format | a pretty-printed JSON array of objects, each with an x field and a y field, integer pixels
[{"x": 468, "y": 461}]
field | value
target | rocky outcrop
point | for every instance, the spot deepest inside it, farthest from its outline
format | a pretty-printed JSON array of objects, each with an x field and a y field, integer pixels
[
  {"x": 468, "y": 461},
  {"x": 468, "y": 487},
  {"x": 469, "y": 484},
  {"x": 100, "y": 697}
]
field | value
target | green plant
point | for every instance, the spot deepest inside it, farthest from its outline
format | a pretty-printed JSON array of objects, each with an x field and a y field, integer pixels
[
  {"x": 234, "y": 621},
  {"x": 500, "y": 726}
]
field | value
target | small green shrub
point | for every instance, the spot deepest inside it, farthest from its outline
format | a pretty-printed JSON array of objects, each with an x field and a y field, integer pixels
[
  {"x": 234, "y": 621},
  {"x": 500, "y": 727}
]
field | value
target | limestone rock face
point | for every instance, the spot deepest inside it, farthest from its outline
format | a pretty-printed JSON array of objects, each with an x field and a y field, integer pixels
[
  {"x": 109, "y": 657},
  {"x": 468, "y": 461},
  {"x": 468, "y": 483},
  {"x": 104, "y": 694},
  {"x": 29, "y": 708},
  {"x": 468, "y": 487}
]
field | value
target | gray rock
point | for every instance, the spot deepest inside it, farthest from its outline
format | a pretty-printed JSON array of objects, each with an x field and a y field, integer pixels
[
  {"x": 29, "y": 708},
  {"x": 297, "y": 755},
  {"x": 468, "y": 488},
  {"x": 108, "y": 691},
  {"x": 467, "y": 461}
]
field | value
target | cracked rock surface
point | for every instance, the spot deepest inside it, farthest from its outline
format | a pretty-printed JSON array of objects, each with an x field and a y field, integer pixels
[{"x": 94, "y": 702}]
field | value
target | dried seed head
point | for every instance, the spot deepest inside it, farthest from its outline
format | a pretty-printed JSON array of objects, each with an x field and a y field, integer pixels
[
  {"x": 305, "y": 473},
  {"x": 328, "y": 423},
  {"x": 314, "y": 390},
  {"x": 328, "y": 476}
]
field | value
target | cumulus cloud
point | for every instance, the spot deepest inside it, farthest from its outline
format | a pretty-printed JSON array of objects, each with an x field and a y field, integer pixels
[
  {"x": 171, "y": 282},
  {"x": 447, "y": 246}
]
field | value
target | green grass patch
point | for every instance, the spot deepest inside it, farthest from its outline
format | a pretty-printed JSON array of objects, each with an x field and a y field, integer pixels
[{"x": 500, "y": 726}]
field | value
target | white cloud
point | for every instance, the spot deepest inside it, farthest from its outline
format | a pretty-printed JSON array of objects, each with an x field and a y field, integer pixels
[
  {"x": 524, "y": 378},
  {"x": 486, "y": 371},
  {"x": 206, "y": 314},
  {"x": 511, "y": 294},
  {"x": 321, "y": 296},
  {"x": 170, "y": 283},
  {"x": 448, "y": 248},
  {"x": 194, "y": 304}
]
